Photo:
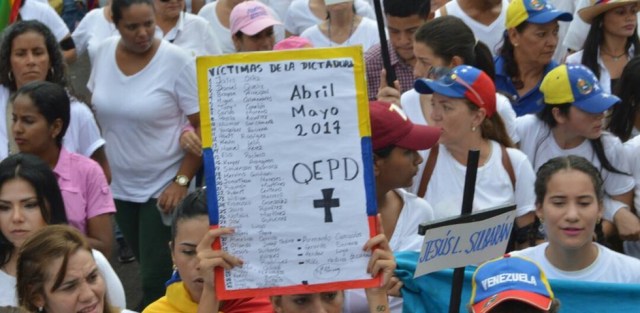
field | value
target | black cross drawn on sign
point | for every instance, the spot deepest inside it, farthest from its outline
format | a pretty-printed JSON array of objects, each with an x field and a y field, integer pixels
[{"x": 327, "y": 203}]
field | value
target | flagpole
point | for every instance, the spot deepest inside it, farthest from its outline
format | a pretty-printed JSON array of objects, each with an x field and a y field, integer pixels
[
  {"x": 384, "y": 46},
  {"x": 467, "y": 206}
]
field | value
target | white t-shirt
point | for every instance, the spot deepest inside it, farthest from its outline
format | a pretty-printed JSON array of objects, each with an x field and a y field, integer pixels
[
  {"x": 142, "y": 117},
  {"x": 609, "y": 266},
  {"x": 410, "y": 101},
  {"x": 493, "y": 185},
  {"x": 45, "y": 14},
  {"x": 605, "y": 77},
  {"x": 366, "y": 34},
  {"x": 572, "y": 7},
  {"x": 538, "y": 143},
  {"x": 193, "y": 34},
  {"x": 491, "y": 34},
  {"x": 300, "y": 17},
  {"x": 82, "y": 136},
  {"x": 223, "y": 34},
  {"x": 405, "y": 238},
  {"x": 279, "y": 6},
  {"x": 92, "y": 30},
  {"x": 9, "y": 297}
]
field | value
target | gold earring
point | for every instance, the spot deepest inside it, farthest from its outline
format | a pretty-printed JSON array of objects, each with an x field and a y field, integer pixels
[
  {"x": 541, "y": 220},
  {"x": 473, "y": 128}
]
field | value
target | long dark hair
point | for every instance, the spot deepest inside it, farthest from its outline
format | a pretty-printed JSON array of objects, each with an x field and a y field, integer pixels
[
  {"x": 546, "y": 116},
  {"x": 449, "y": 36},
  {"x": 41, "y": 178},
  {"x": 595, "y": 38},
  {"x": 57, "y": 72},
  {"x": 52, "y": 102},
  {"x": 507, "y": 54},
  {"x": 623, "y": 116}
]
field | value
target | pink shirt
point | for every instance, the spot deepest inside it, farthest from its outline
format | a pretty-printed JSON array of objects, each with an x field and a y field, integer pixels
[{"x": 85, "y": 191}]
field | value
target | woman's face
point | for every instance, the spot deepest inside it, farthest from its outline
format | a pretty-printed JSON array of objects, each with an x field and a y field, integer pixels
[
  {"x": 322, "y": 302},
  {"x": 31, "y": 130},
  {"x": 168, "y": 9},
  {"x": 189, "y": 233},
  {"x": 137, "y": 27},
  {"x": 426, "y": 59},
  {"x": 454, "y": 117},
  {"x": 262, "y": 41},
  {"x": 582, "y": 124},
  {"x": 536, "y": 43},
  {"x": 398, "y": 168},
  {"x": 29, "y": 58},
  {"x": 570, "y": 209},
  {"x": 621, "y": 21},
  {"x": 82, "y": 289},
  {"x": 20, "y": 213}
]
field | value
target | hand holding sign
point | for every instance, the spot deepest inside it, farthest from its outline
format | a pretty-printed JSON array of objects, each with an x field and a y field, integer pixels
[
  {"x": 388, "y": 93},
  {"x": 209, "y": 259},
  {"x": 381, "y": 262}
]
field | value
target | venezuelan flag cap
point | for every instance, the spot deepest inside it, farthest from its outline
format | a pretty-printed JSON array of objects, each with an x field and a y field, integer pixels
[
  {"x": 511, "y": 278},
  {"x": 463, "y": 82},
  {"x": 576, "y": 84},
  {"x": 533, "y": 11}
]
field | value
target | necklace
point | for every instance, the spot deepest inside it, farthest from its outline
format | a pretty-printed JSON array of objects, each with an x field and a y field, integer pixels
[
  {"x": 353, "y": 20},
  {"x": 614, "y": 58}
]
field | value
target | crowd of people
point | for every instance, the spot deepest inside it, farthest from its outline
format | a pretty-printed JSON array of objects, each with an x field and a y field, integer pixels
[{"x": 547, "y": 91}]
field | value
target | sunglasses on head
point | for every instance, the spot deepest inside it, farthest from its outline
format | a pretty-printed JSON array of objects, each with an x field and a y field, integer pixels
[
  {"x": 454, "y": 78},
  {"x": 435, "y": 72}
]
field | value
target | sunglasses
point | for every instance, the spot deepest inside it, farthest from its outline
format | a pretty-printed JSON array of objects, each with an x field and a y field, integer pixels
[
  {"x": 454, "y": 78},
  {"x": 435, "y": 72}
]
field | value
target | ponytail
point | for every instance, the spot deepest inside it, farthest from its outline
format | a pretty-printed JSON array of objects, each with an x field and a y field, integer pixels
[{"x": 484, "y": 59}]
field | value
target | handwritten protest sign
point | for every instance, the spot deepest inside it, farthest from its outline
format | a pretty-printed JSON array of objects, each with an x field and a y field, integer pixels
[
  {"x": 288, "y": 164},
  {"x": 464, "y": 240}
]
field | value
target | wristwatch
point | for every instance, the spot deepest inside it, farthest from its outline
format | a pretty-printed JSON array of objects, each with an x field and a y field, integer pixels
[{"x": 181, "y": 180}]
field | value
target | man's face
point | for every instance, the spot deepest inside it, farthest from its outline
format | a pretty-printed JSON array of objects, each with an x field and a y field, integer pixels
[{"x": 401, "y": 30}]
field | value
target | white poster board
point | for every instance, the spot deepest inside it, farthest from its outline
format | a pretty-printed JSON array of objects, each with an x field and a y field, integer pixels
[
  {"x": 461, "y": 241},
  {"x": 288, "y": 165}
]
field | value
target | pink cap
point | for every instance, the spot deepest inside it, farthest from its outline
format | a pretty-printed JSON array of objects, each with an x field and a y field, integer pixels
[
  {"x": 293, "y": 42},
  {"x": 251, "y": 17}
]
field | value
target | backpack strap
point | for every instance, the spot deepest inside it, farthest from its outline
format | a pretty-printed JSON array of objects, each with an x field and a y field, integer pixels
[
  {"x": 428, "y": 170},
  {"x": 506, "y": 163}
]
